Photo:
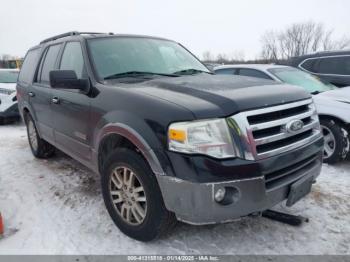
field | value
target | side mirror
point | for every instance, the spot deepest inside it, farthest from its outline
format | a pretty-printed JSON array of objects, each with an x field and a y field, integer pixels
[{"x": 67, "y": 79}]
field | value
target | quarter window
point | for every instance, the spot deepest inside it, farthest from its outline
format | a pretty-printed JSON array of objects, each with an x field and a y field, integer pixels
[
  {"x": 49, "y": 63},
  {"x": 309, "y": 65},
  {"x": 72, "y": 59},
  {"x": 29, "y": 65}
]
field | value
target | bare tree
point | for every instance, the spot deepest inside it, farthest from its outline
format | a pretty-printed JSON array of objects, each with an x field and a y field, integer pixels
[
  {"x": 299, "y": 39},
  {"x": 207, "y": 56}
]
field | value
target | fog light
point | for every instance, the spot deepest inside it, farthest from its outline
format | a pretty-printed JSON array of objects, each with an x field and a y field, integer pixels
[{"x": 220, "y": 194}]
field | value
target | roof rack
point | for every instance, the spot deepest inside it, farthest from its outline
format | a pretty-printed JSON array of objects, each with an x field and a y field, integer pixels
[{"x": 70, "y": 34}]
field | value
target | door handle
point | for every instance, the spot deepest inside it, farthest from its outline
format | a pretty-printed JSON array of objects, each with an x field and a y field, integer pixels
[
  {"x": 55, "y": 100},
  {"x": 31, "y": 94}
]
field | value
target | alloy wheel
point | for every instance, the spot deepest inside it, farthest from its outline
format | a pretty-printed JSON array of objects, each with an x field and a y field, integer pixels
[
  {"x": 329, "y": 142},
  {"x": 128, "y": 195}
]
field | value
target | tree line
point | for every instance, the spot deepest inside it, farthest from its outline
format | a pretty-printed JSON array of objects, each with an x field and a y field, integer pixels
[{"x": 295, "y": 40}]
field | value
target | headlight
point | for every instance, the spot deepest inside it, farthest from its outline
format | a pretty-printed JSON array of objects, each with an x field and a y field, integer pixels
[{"x": 209, "y": 137}]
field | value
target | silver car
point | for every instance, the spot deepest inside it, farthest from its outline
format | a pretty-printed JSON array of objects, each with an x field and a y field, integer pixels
[
  {"x": 8, "y": 99},
  {"x": 333, "y": 104}
]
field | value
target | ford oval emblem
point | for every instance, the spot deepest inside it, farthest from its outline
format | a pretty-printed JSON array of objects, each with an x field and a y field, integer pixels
[{"x": 294, "y": 126}]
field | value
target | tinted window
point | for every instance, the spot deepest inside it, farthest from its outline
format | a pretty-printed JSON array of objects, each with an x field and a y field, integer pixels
[
  {"x": 335, "y": 65},
  {"x": 226, "y": 71},
  {"x": 309, "y": 65},
  {"x": 29, "y": 65},
  {"x": 253, "y": 73},
  {"x": 72, "y": 59},
  {"x": 49, "y": 63}
]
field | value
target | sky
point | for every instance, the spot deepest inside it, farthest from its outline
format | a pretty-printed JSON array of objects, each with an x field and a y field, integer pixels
[{"x": 222, "y": 26}]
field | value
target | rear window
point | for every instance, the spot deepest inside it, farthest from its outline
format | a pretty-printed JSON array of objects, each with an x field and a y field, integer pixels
[
  {"x": 253, "y": 73},
  {"x": 29, "y": 65},
  {"x": 335, "y": 65},
  {"x": 8, "y": 76},
  {"x": 225, "y": 71}
]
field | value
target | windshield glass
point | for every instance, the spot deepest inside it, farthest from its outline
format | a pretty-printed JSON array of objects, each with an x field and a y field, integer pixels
[
  {"x": 8, "y": 76},
  {"x": 300, "y": 78},
  {"x": 118, "y": 55}
]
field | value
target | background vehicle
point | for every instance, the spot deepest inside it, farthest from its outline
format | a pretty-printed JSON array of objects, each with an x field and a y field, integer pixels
[
  {"x": 169, "y": 138},
  {"x": 333, "y": 104},
  {"x": 331, "y": 66},
  {"x": 8, "y": 100},
  {"x": 11, "y": 64}
]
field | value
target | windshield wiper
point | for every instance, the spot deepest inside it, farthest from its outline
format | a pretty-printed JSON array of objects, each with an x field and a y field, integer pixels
[
  {"x": 135, "y": 74},
  {"x": 316, "y": 92},
  {"x": 190, "y": 71}
]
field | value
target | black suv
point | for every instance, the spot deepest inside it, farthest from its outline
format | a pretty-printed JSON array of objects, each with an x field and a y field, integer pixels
[
  {"x": 330, "y": 66},
  {"x": 171, "y": 140}
]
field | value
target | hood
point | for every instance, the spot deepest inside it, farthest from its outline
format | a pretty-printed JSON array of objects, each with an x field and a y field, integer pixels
[
  {"x": 8, "y": 86},
  {"x": 340, "y": 95},
  {"x": 210, "y": 96}
]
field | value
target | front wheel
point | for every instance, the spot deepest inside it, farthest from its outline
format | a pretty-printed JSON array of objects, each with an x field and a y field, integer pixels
[
  {"x": 336, "y": 141},
  {"x": 132, "y": 196}
]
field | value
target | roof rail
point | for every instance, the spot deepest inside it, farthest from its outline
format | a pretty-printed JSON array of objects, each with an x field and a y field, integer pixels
[{"x": 70, "y": 34}]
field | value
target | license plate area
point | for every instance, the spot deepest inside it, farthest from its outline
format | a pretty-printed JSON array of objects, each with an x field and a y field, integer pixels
[{"x": 299, "y": 189}]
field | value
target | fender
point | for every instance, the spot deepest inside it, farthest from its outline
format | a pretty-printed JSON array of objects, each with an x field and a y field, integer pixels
[{"x": 134, "y": 137}]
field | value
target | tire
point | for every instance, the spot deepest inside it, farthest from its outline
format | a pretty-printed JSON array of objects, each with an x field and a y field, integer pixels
[
  {"x": 336, "y": 141},
  {"x": 157, "y": 220},
  {"x": 40, "y": 148}
]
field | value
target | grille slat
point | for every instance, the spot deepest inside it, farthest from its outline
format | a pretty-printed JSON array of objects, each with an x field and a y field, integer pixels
[
  {"x": 274, "y": 130},
  {"x": 270, "y": 132}
]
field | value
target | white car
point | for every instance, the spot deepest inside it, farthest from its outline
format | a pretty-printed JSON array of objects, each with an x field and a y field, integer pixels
[
  {"x": 8, "y": 100},
  {"x": 333, "y": 104}
]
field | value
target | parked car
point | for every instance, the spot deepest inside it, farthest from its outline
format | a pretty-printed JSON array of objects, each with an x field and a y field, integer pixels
[
  {"x": 170, "y": 139},
  {"x": 8, "y": 100},
  {"x": 333, "y": 104},
  {"x": 331, "y": 66}
]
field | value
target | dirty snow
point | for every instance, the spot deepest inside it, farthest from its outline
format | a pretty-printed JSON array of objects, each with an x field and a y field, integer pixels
[{"x": 55, "y": 207}]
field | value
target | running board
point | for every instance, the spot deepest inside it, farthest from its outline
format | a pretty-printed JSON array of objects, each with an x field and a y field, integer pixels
[{"x": 284, "y": 218}]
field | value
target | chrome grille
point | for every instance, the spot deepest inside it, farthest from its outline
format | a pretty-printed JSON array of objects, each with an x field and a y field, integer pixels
[{"x": 266, "y": 132}]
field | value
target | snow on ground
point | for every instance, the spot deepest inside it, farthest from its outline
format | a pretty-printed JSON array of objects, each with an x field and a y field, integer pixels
[{"x": 55, "y": 207}]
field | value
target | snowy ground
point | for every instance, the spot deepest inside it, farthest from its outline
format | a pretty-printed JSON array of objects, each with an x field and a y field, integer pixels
[{"x": 55, "y": 207}]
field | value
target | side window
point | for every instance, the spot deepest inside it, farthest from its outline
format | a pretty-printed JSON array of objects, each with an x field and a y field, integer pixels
[
  {"x": 335, "y": 65},
  {"x": 49, "y": 63},
  {"x": 309, "y": 65},
  {"x": 29, "y": 65},
  {"x": 72, "y": 59},
  {"x": 253, "y": 73},
  {"x": 226, "y": 71}
]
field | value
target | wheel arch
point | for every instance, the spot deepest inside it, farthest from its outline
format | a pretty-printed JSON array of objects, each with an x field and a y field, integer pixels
[{"x": 117, "y": 135}]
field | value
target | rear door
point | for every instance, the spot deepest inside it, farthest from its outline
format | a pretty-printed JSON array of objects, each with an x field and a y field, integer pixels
[
  {"x": 71, "y": 109},
  {"x": 41, "y": 92}
]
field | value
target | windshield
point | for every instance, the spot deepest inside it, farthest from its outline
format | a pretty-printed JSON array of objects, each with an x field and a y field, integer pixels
[
  {"x": 119, "y": 55},
  {"x": 8, "y": 76},
  {"x": 297, "y": 77}
]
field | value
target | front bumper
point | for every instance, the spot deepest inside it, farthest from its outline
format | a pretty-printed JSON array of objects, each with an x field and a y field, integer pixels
[
  {"x": 266, "y": 184},
  {"x": 8, "y": 106}
]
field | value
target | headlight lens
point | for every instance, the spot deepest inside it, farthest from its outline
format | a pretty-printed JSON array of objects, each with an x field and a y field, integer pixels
[{"x": 210, "y": 137}]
